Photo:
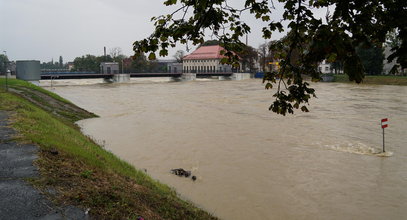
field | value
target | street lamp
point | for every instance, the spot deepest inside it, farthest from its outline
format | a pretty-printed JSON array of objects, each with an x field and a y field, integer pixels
[{"x": 7, "y": 71}]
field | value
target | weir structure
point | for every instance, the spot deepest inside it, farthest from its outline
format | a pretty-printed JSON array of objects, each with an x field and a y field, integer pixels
[{"x": 125, "y": 77}]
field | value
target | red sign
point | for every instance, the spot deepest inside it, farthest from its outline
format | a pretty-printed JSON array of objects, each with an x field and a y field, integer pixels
[{"x": 384, "y": 123}]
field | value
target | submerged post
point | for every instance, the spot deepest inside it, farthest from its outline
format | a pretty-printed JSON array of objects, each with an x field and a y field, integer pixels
[
  {"x": 384, "y": 149},
  {"x": 384, "y": 125}
]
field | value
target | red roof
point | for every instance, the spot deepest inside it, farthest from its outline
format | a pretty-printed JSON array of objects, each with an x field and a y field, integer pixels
[{"x": 206, "y": 52}]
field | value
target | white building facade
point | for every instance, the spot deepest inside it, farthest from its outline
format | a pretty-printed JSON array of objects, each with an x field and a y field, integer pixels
[{"x": 206, "y": 59}]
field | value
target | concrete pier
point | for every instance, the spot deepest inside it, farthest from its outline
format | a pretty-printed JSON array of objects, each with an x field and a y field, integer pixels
[
  {"x": 189, "y": 76},
  {"x": 225, "y": 77},
  {"x": 120, "y": 78},
  {"x": 240, "y": 76}
]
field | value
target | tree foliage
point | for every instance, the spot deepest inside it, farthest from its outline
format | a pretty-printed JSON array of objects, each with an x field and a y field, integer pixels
[
  {"x": 210, "y": 43},
  {"x": 141, "y": 64},
  {"x": 337, "y": 66},
  {"x": 372, "y": 59},
  {"x": 90, "y": 63},
  {"x": 50, "y": 65},
  {"x": 311, "y": 38},
  {"x": 249, "y": 57},
  {"x": 3, "y": 63},
  {"x": 179, "y": 56},
  {"x": 61, "y": 62},
  {"x": 115, "y": 52},
  {"x": 265, "y": 55},
  {"x": 392, "y": 40}
]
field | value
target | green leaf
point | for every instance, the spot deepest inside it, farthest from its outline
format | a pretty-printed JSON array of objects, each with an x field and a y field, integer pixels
[
  {"x": 152, "y": 56},
  {"x": 304, "y": 109},
  {"x": 265, "y": 18}
]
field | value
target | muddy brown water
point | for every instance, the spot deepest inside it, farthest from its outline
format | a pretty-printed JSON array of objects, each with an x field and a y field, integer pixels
[{"x": 251, "y": 163}]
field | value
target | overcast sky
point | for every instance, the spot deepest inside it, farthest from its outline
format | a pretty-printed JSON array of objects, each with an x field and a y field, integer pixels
[{"x": 46, "y": 29}]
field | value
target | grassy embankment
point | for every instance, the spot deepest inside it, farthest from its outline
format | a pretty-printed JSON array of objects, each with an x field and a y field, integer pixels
[
  {"x": 81, "y": 172},
  {"x": 377, "y": 80}
]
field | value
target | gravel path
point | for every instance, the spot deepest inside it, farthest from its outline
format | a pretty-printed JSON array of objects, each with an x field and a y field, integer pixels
[{"x": 18, "y": 199}]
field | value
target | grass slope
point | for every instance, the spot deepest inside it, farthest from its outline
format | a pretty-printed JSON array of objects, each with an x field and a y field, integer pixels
[{"x": 81, "y": 172}]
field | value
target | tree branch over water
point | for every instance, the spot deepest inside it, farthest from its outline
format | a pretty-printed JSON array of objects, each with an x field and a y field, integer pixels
[{"x": 309, "y": 41}]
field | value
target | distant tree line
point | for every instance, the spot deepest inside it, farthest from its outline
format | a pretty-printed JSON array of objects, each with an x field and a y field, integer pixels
[
  {"x": 3, "y": 63},
  {"x": 91, "y": 63}
]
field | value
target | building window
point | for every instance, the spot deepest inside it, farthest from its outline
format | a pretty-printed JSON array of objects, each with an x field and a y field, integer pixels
[{"x": 327, "y": 69}]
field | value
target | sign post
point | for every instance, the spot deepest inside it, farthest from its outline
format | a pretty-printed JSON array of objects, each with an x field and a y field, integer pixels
[{"x": 384, "y": 125}]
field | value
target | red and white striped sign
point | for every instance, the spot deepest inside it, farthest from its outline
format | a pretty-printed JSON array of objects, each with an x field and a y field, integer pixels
[{"x": 384, "y": 123}]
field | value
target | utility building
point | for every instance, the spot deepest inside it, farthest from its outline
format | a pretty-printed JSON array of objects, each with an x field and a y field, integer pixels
[
  {"x": 174, "y": 67},
  {"x": 206, "y": 59},
  {"x": 109, "y": 68}
]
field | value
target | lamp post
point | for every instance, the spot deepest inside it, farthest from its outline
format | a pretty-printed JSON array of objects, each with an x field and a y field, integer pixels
[{"x": 7, "y": 71}]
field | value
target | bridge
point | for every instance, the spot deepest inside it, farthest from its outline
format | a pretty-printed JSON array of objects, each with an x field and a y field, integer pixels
[{"x": 89, "y": 75}]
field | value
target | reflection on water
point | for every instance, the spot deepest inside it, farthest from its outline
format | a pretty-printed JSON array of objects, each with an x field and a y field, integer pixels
[{"x": 250, "y": 163}]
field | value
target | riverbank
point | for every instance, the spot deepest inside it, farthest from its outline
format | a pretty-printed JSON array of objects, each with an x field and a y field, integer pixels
[
  {"x": 19, "y": 199},
  {"x": 376, "y": 80},
  {"x": 76, "y": 171}
]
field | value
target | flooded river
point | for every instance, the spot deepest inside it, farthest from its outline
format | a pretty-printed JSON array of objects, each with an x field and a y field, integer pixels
[{"x": 251, "y": 163}]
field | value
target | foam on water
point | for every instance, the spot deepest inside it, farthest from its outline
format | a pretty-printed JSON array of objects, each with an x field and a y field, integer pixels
[{"x": 359, "y": 148}]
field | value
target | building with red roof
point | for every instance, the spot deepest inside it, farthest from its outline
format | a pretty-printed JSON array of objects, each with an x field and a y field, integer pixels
[{"x": 206, "y": 59}]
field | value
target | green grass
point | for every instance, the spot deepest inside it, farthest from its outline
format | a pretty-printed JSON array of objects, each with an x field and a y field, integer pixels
[
  {"x": 85, "y": 173},
  {"x": 15, "y": 83},
  {"x": 377, "y": 80}
]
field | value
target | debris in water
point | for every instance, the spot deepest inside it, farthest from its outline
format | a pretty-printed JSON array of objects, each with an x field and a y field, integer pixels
[{"x": 181, "y": 172}]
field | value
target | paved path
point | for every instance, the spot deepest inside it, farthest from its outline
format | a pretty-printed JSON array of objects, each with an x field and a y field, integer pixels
[{"x": 18, "y": 199}]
